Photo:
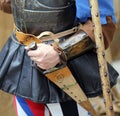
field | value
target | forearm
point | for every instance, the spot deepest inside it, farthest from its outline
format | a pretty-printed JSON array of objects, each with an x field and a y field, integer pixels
[
  {"x": 5, "y": 6},
  {"x": 108, "y": 30},
  {"x": 84, "y": 39},
  {"x": 77, "y": 44}
]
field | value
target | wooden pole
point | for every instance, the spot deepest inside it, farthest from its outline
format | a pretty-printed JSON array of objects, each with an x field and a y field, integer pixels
[{"x": 101, "y": 57}]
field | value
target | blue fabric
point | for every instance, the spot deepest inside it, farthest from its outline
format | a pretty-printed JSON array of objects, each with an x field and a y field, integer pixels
[
  {"x": 24, "y": 106},
  {"x": 106, "y": 8}
]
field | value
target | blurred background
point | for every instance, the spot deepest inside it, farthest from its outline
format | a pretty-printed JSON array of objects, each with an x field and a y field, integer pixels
[{"x": 112, "y": 55}]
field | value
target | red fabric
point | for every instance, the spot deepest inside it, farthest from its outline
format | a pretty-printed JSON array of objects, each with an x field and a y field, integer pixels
[
  {"x": 37, "y": 108},
  {"x": 15, "y": 106}
]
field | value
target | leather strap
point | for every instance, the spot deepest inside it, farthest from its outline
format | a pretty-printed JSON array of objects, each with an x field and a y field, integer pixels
[{"x": 26, "y": 39}]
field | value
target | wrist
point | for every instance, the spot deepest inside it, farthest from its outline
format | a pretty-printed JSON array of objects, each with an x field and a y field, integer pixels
[{"x": 61, "y": 53}]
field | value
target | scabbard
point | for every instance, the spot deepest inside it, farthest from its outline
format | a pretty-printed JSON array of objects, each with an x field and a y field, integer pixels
[{"x": 64, "y": 79}]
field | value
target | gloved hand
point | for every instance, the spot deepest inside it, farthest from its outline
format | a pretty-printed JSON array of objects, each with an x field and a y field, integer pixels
[{"x": 44, "y": 56}]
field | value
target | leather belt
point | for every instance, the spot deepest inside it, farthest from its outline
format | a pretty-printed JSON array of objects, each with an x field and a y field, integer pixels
[
  {"x": 26, "y": 39},
  {"x": 62, "y": 77}
]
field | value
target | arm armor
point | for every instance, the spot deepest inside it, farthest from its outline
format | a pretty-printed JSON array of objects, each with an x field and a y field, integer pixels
[{"x": 76, "y": 45}]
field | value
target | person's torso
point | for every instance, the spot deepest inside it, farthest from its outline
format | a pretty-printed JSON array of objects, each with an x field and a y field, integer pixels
[{"x": 36, "y": 16}]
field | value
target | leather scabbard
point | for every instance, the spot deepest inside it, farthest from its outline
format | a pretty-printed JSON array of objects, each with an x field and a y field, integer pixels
[{"x": 62, "y": 77}]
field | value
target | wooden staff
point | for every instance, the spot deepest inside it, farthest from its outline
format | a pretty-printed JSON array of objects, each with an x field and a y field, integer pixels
[{"x": 101, "y": 57}]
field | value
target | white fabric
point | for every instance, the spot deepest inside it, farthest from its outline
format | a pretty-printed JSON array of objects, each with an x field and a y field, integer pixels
[
  {"x": 55, "y": 109},
  {"x": 47, "y": 113},
  {"x": 81, "y": 111},
  {"x": 19, "y": 109}
]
